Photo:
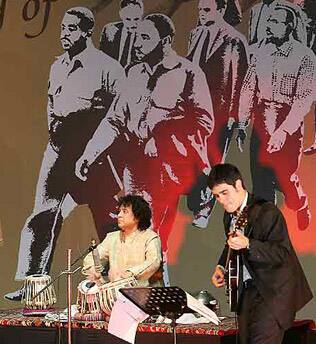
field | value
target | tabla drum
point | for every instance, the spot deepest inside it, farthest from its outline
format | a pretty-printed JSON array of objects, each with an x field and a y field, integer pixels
[
  {"x": 108, "y": 292},
  {"x": 33, "y": 284},
  {"x": 88, "y": 302}
]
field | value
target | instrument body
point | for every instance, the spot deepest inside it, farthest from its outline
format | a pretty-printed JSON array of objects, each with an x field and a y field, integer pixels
[
  {"x": 87, "y": 298},
  {"x": 231, "y": 277},
  {"x": 108, "y": 292},
  {"x": 232, "y": 266},
  {"x": 33, "y": 284},
  {"x": 96, "y": 301}
]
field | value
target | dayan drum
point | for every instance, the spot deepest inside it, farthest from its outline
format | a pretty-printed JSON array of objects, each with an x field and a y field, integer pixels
[
  {"x": 108, "y": 292},
  {"x": 88, "y": 298},
  {"x": 34, "y": 284}
]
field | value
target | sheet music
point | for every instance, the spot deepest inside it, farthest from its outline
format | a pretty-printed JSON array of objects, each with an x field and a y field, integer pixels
[
  {"x": 124, "y": 319},
  {"x": 197, "y": 306}
]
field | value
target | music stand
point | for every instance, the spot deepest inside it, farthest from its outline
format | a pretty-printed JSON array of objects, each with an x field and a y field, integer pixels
[{"x": 170, "y": 302}]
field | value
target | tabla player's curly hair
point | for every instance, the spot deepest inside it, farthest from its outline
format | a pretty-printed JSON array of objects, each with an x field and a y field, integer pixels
[{"x": 140, "y": 209}]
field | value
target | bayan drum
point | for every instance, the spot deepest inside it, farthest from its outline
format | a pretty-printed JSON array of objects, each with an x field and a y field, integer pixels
[
  {"x": 108, "y": 292},
  {"x": 44, "y": 301}
]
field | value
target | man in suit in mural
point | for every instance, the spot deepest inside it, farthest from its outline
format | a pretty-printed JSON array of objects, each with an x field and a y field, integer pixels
[
  {"x": 272, "y": 286},
  {"x": 118, "y": 39},
  {"x": 220, "y": 51},
  {"x": 278, "y": 92},
  {"x": 259, "y": 16},
  {"x": 82, "y": 85},
  {"x": 165, "y": 111}
]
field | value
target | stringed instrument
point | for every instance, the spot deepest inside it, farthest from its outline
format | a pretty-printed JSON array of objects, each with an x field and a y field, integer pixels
[{"x": 232, "y": 265}]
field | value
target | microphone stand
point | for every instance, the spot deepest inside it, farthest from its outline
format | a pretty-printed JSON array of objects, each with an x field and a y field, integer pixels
[
  {"x": 69, "y": 273},
  {"x": 69, "y": 294},
  {"x": 66, "y": 272}
]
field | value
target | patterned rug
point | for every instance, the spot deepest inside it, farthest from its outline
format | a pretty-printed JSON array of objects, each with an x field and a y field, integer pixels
[{"x": 14, "y": 317}]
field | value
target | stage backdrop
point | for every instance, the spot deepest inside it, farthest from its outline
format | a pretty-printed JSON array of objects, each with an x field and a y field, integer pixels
[{"x": 97, "y": 103}]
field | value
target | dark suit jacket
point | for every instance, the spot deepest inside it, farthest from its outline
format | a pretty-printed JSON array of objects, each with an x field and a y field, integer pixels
[
  {"x": 110, "y": 39},
  {"x": 272, "y": 262},
  {"x": 225, "y": 68}
]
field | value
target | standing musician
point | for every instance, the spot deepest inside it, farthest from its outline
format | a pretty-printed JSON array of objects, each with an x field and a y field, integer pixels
[
  {"x": 134, "y": 250},
  {"x": 272, "y": 286}
]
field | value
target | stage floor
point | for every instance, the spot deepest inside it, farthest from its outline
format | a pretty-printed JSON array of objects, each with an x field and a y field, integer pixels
[{"x": 18, "y": 329}]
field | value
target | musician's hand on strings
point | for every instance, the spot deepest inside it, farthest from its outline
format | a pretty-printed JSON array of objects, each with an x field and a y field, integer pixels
[
  {"x": 237, "y": 241},
  {"x": 218, "y": 277}
]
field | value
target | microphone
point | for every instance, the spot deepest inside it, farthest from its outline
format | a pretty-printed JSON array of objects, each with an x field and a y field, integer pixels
[
  {"x": 96, "y": 259},
  {"x": 93, "y": 245},
  {"x": 84, "y": 253}
]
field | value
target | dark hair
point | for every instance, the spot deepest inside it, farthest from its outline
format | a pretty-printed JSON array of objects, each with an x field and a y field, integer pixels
[
  {"x": 163, "y": 24},
  {"x": 140, "y": 208},
  {"x": 86, "y": 17},
  {"x": 125, "y": 3},
  {"x": 232, "y": 13},
  {"x": 290, "y": 13},
  {"x": 224, "y": 173},
  {"x": 221, "y": 4}
]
